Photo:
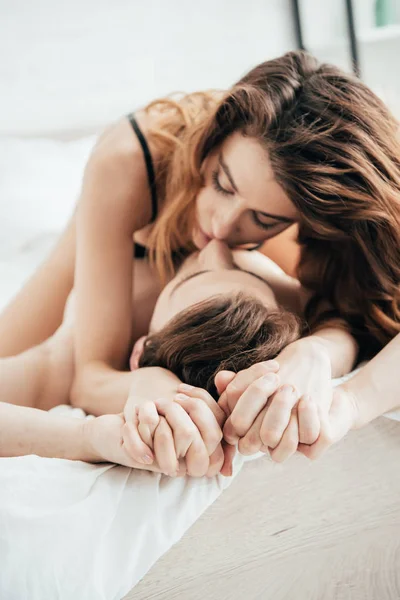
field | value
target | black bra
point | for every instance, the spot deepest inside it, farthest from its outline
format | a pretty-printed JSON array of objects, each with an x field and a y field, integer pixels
[{"x": 149, "y": 165}]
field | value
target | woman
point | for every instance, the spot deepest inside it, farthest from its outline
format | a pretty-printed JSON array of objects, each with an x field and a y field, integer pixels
[
  {"x": 196, "y": 331},
  {"x": 293, "y": 142}
]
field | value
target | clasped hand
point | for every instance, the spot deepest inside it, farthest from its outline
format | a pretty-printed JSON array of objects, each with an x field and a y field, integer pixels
[
  {"x": 287, "y": 405},
  {"x": 182, "y": 436},
  {"x": 277, "y": 407}
]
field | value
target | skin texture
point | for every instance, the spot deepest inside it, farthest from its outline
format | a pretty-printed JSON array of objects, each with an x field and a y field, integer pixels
[
  {"x": 114, "y": 207},
  {"x": 221, "y": 277},
  {"x": 48, "y": 372},
  {"x": 102, "y": 350},
  {"x": 240, "y": 192},
  {"x": 41, "y": 377},
  {"x": 95, "y": 256},
  {"x": 206, "y": 273},
  {"x": 262, "y": 414}
]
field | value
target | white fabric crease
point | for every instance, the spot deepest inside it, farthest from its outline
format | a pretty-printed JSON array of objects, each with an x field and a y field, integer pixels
[{"x": 70, "y": 529}]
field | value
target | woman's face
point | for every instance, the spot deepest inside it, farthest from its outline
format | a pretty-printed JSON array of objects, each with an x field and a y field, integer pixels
[
  {"x": 241, "y": 202},
  {"x": 205, "y": 274}
]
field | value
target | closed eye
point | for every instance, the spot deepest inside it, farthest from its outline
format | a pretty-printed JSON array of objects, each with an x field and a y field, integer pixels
[
  {"x": 262, "y": 224},
  {"x": 258, "y": 218},
  {"x": 187, "y": 279},
  {"x": 192, "y": 275},
  {"x": 217, "y": 186}
]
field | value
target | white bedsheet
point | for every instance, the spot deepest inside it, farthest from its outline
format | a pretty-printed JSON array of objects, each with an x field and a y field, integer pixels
[{"x": 72, "y": 530}]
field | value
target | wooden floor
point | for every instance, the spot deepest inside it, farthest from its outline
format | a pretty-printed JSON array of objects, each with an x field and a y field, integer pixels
[{"x": 299, "y": 531}]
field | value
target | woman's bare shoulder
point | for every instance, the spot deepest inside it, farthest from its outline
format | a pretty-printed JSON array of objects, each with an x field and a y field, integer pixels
[
  {"x": 117, "y": 173},
  {"x": 119, "y": 142}
]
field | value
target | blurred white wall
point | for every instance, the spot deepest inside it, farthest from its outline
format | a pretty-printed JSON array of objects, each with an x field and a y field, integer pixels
[
  {"x": 68, "y": 67},
  {"x": 74, "y": 65},
  {"x": 326, "y": 35}
]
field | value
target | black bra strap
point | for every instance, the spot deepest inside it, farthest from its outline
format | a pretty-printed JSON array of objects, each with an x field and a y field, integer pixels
[{"x": 149, "y": 165}]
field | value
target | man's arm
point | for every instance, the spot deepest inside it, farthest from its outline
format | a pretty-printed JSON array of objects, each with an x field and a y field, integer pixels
[
  {"x": 25, "y": 431},
  {"x": 32, "y": 431},
  {"x": 110, "y": 389}
]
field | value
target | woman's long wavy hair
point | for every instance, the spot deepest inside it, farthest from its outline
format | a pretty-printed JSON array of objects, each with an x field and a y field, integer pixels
[{"x": 334, "y": 148}]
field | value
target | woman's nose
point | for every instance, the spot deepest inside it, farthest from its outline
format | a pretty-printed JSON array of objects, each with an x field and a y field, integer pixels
[
  {"x": 216, "y": 255},
  {"x": 224, "y": 222}
]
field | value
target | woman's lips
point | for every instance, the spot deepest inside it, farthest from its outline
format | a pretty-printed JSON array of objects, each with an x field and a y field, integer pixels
[
  {"x": 202, "y": 238},
  {"x": 207, "y": 237}
]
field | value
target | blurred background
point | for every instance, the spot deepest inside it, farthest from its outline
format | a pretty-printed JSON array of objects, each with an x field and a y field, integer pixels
[
  {"x": 68, "y": 68},
  {"x": 73, "y": 66}
]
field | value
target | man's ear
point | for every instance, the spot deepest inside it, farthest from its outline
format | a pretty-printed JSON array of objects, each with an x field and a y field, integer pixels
[{"x": 137, "y": 353}]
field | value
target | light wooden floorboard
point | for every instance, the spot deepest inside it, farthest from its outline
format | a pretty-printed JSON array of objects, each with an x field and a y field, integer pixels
[{"x": 324, "y": 530}]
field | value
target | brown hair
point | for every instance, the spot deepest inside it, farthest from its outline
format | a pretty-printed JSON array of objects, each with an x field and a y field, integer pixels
[
  {"x": 334, "y": 148},
  {"x": 223, "y": 332}
]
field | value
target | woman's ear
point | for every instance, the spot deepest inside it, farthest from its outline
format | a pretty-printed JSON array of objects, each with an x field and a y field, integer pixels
[{"x": 137, "y": 353}]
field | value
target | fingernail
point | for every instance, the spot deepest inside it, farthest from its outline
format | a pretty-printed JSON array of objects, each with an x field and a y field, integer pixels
[
  {"x": 181, "y": 397},
  {"x": 287, "y": 388},
  {"x": 147, "y": 459},
  {"x": 270, "y": 378},
  {"x": 185, "y": 387},
  {"x": 272, "y": 364}
]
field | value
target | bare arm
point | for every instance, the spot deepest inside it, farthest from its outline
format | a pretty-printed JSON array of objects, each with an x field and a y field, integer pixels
[
  {"x": 110, "y": 389},
  {"x": 115, "y": 203},
  {"x": 338, "y": 345},
  {"x": 376, "y": 388},
  {"x": 25, "y": 431},
  {"x": 37, "y": 310},
  {"x": 373, "y": 391}
]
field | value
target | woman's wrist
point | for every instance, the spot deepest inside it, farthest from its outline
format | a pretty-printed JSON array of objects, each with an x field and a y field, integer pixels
[
  {"x": 364, "y": 395},
  {"x": 150, "y": 383},
  {"x": 25, "y": 431},
  {"x": 332, "y": 344},
  {"x": 351, "y": 398},
  {"x": 312, "y": 348},
  {"x": 88, "y": 447}
]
